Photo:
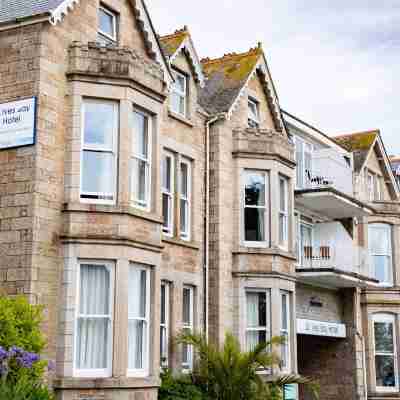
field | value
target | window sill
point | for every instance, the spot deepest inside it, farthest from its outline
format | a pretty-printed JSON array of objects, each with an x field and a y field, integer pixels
[
  {"x": 180, "y": 118},
  {"x": 180, "y": 242},
  {"x": 267, "y": 251},
  {"x": 106, "y": 383},
  {"x": 111, "y": 209}
]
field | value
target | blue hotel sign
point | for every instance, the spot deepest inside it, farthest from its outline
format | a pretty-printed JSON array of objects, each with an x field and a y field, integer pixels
[{"x": 18, "y": 123}]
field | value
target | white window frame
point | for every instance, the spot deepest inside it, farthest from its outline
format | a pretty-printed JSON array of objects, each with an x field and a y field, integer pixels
[
  {"x": 186, "y": 233},
  {"x": 370, "y": 186},
  {"x": 143, "y": 205},
  {"x": 284, "y": 213},
  {"x": 95, "y": 373},
  {"x": 306, "y": 147},
  {"x": 266, "y": 207},
  {"x": 389, "y": 279},
  {"x": 378, "y": 188},
  {"x": 143, "y": 372},
  {"x": 266, "y": 329},
  {"x": 114, "y": 19},
  {"x": 182, "y": 94},
  {"x": 286, "y": 332},
  {"x": 251, "y": 120},
  {"x": 386, "y": 318},
  {"x": 187, "y": 367},
  {"x": 100, "y": 149},
  {"x": 165, "y": 325},
  {"x": 169, "y": 230}
]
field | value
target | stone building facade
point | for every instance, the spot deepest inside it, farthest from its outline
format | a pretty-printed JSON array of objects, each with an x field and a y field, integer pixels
[{"x": 162, "y": 193}]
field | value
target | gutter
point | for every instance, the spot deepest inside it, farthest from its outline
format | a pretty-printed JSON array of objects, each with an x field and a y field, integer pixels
[{"x": 208, "y": 124}]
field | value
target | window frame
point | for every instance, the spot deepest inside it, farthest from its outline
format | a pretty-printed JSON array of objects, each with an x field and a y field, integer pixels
[
  {"x": 389, "y": 255},
  {"x": 114, "y": 16},
  {"x": 145, "y": 371},
  {"x": 286, "y": 332},
  {"x": 113, "y": 151},
  {"x": 268, "y": 328},
  {"x": 386, "y": 318},
  {"x": 169, "y": 230},
  {"x": 136, "y": 203},
  {"x": 187, "y": 233},
  {"x": 284, "y": 213},
  {"x": 370, "y": 186},
  {"x": 187, "y": 367},
  {"x": 267, "y": 209},
  {"x": 104, "y": 372},
  {"x": 165, "y": 325},
  {"x": 253, "y": 121},
  {"x": 181, "y": 94}
]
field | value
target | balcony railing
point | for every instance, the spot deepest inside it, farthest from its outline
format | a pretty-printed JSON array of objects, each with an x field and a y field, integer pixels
[{"x": 317, "y": 257}]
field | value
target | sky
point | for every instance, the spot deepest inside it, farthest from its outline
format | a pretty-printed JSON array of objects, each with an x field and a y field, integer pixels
[{"x": 335, "y": 63}]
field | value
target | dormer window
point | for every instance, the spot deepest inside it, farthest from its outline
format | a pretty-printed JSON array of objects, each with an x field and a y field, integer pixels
[
  {"x": 179, "y": 94},
  {"x": 254, "y": 113},
  {"x": 107, "y": 33}
]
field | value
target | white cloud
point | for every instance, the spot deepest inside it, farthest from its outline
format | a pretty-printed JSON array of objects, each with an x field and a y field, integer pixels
[{"x": 335, "y": 63}]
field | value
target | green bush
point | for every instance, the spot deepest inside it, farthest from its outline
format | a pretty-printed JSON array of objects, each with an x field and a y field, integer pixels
[
  {"x": 20, "y": 324},
  {"x": 178, "y": 388},
  {"x": 24, "y": 389}
]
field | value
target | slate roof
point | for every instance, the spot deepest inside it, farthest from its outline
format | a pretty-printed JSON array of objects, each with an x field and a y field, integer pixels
[
  {"x": 226, "y": 76},
  {"x": 359, "y": 144},
  {"x": 171, "y": 43},
  {"x": 11, "y": 10}
]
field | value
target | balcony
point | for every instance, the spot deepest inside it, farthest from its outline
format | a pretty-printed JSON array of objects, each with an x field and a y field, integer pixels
[
  {"x": 331, "y": 260},
  {"x": 327, "y": 187}
]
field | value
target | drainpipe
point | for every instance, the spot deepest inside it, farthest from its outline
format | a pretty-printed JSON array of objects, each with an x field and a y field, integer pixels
[{"x": 209, "y": 122}]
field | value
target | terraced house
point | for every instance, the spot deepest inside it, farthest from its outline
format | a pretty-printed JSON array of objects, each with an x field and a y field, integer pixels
[{"x": 144, "y": 191}]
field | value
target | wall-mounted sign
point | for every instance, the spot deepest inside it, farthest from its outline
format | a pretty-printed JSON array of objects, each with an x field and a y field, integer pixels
[
  {"x": 18, "y": 123},
  {"x": 320, "y": 328}
]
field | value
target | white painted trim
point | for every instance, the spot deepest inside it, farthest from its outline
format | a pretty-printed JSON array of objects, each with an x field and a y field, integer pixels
[{"x": 62, "y": 10}]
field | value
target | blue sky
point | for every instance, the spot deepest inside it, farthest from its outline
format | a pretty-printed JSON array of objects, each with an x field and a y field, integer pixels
[{"x": 336, "y": 64}]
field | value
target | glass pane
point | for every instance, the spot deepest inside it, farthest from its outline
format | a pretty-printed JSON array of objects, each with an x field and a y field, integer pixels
[
  {"x": 180, "y": 83},
  {"x": 163, "y": 346},
  {"x": 253, "y": 110},
  {"x": 106, "y": 23},
  {"x": 167, "y": 173},
  {"x": 184, "y": 212},
  {"x": 137, "y": 335},
  {"x": 383, "y": 332},
  {"x": 384, "y": 367},
  {"x": 380, "y": 239},
  {"x": 254, "y": 223},
  {"x": 186, "y": 352},
  {"x": 285, "y": 351},
  {"x": 94, "y": 290},
  {"x": 282, "y": 229},
  {"x": 92, "y": 343},
  {"x": 99, "y": 124},
  {"x": 166, "y": 204},
  {"x": 282, "y": 194},
  {"x": 186, "y": 307},
  {"x": 163, "y": 319},
  {"x": 256, "y": 309},
  {"x": 381, "y": 268},
  {"x": 137, "y": 293},
  {"x": 141, "y": 135},
  {"x": 255, "y": 189},
  {"x": 307, "y": 166},
  {"x": 253, "y": 338},
  {"x": 300, "y": 162},
  {"x": 284, "y": 312},
  {"x": 140, "y": 181},
  {"x": 184, "y": 179},
  {"x": 178, "y": 103},
  {"x": 98, "y": 173}
]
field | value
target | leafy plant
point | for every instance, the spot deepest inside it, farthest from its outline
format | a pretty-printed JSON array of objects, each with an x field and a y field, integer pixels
[
  {"x": 24, "y": 389},
  {"x": 178, "y": 388},
  {"x": 227, "y": 373}
]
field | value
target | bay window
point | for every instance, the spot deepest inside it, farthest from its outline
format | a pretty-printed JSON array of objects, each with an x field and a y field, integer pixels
[
  {"x": 99, "y": 151},
  {"x": 138, "y": 320},
  {"x": 283, "y": 212},
  {"x": 94, "y": 320},
  {"x": 141, "y": 160},
  {"x": 187, "y": 325},
  {"x": 185, "y": 199},
  {"x": 164, "y": 324},
  {"x": 257, "y": 318},
  {"x": 385, "y": 352},
  {"x": 168, "y": 191},
  {"x": 255, "y": 208},
  {"x": 179, "y": 94},
  {"x": 285, "y": 331},
  {"x": 380, "y": 249}
]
